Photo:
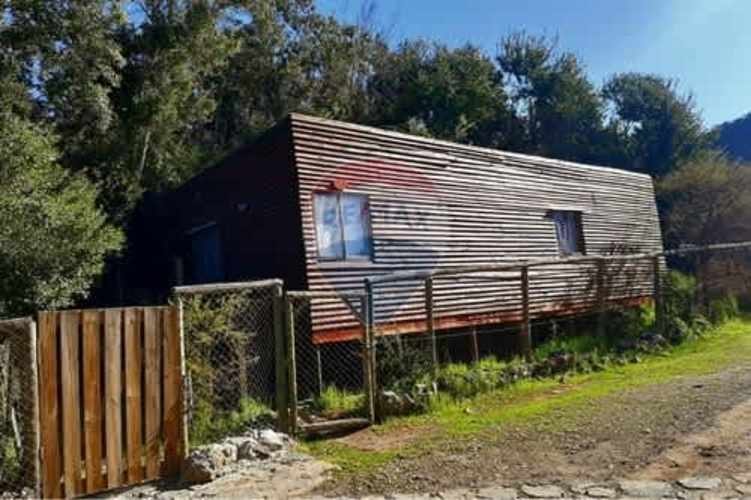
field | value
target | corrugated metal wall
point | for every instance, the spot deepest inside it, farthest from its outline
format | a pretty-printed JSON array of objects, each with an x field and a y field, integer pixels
[{"x": 436, "y": 205}]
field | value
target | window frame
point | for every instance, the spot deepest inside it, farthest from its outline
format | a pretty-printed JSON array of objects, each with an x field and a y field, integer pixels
[
  {"x": 369, "y": 258},
  {"x": 581, "y": 249}
]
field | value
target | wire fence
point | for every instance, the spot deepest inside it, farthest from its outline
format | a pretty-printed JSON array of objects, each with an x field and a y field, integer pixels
[
  {"x": 329, "y": 382},
  {"x": 229, "y": 338},
  {"x": 516, "y": 319},
  {"x": 19, "y": 411}
]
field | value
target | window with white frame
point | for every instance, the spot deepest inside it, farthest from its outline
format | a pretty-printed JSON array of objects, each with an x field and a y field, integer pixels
[
  {"x": 568, "y": 230},
  {"x": 342, "y": 226}
]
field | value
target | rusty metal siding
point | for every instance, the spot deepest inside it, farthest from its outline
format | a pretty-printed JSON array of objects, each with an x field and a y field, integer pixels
[{"x": 436, "y": 204}]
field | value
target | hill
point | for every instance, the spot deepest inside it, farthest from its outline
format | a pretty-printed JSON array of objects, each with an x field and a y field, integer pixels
[{"x": 735, "y": 138}]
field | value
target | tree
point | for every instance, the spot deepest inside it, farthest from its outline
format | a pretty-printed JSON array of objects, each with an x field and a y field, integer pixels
[
  {"x": 658, "y": 128},
  {"x": 706, "y": 200},
  {"x": 452, "y": 94},
  {"x": 53, "y": 239},
  {"x": 559, "y": 111}
]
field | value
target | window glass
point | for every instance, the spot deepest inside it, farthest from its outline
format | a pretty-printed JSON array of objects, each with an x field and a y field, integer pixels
[
  {"x": 356, "y": 225},
  {"x": 328, "y": 226},
  {"x": 568, "y": 232}
]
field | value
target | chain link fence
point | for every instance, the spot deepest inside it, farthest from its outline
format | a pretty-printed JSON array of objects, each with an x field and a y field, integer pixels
[
  {"x": 19, "y": 411},
  {"x": 330, "y": 382},
  {"x": 483, "y": 330},
  {"x": 229, "y": 341}
]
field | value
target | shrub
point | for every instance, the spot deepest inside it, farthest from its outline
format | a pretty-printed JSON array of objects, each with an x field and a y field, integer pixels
[
  {"x": 209, "y": 425},
  {"x": 723, "y": 309},
  {"x": 460, "y": 380}
]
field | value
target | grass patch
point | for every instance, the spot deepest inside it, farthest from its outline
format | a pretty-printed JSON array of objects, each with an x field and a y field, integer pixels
[
  {"x": 529, "y": 401},
  {"x": 334, "y": 402}
]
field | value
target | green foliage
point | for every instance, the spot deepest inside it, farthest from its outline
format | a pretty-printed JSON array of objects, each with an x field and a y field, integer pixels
[
  {"x": 659, "y": 127},
  {"x": 53, "y": 238},
  {"x": 336, "y": 403},
  {"x": 209, "y": 425},
  {"x": 706, "y": 200},
  {"x": 723, "y": 309},
  {"x": 216, "y": 355},
  {"x": 460, "y": 380}
]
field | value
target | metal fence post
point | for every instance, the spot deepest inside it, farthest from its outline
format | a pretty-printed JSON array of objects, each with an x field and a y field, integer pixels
[
  {"x": 186, "y": 388},
  {"x": 280, "y": 360},
  {"x": 525, "y": 333},
  {"x": 368, "y": 368},
  {"x": 33, "y": 393},
  {"x": 658, "y": 298},
  {"x": 291, "y": 365},
  {"x": 430, "y": 320}
]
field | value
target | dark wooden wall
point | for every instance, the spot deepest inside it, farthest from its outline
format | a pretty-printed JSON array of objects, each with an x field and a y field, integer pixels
[{"x": 436, "y": 204}]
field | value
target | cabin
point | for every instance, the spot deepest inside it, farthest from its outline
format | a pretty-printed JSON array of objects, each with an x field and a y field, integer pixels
[{"x": 324, "y": 205}]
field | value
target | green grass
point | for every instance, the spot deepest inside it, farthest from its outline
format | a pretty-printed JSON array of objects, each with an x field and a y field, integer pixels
[
  {"x": 529, "y": 401},
  {"x": 336, "y": 402}
]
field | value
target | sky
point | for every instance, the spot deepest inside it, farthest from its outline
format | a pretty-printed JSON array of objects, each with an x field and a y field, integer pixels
[{"x": 704, "y": 44}]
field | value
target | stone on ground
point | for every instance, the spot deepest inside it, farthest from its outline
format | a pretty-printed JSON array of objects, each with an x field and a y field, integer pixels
[
  {"x": 542, "y": 491},
  {"x": 497, "y": 493},
  {"x": 600, "y": 492},
  {"x": 646, "y": 489},
  {"x": 700, "y": 483}
]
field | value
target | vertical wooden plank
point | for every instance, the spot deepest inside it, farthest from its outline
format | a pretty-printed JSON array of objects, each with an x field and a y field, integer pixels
[
  {"x": 92, "y": 398},
  {"x": 525, "y": 333},
  {"x": 173, "y": 422},
  {"x": 48, "y": 404},
  {"x": 475, "y": 346},
  {"x": 113, "y": 394},
  {"x": 367, "y": 361},
  {"x": 658, "y": 299},
  {"x": 133, "y": 409},
  {"x": 71, "y": 401},
  {"x": 152, "y": 331}
]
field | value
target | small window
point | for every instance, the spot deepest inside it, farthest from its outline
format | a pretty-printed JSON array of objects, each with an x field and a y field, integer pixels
[
  {"x": 568, "y": 230},
  {"x": 342, "y": 226}
]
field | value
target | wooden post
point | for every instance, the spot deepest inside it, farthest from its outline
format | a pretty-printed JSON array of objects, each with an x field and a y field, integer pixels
[
  {"x": 27, "y": 356},
  {"x": 370, "y": 334},
  {"x": 368, "y": 368},
  {"x": 658, "y": 299},
  {"x": 475, "y": 346},
  {"x": 525, "y": 332},
  {"x": 319, "y": 368},
  {"x": 601, "y": 297},
  {"x": 431, "y": 321},
  {"x": 280, "y": 360},
  {"x": 291, "y": 366}
]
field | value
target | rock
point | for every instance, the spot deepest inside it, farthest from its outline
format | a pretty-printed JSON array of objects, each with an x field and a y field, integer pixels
[
  {"x": 744, "y": 489},
  {"x": 272, "y": 440},
  {"x": 497, "y": 493},
  {"x": 636, "y": 488},
  {"x": 247, "y": 450},
  {"x": 458, "y": 494},
  {"x": 700, "y": 483},
  {"x": 542, "y": 491},
  {"x": 601, "y": 492},
  {"x": 206, "y": 463},
  {"x": 744, "y": 477}
]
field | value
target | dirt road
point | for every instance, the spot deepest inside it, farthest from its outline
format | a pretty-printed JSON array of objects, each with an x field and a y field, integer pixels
[{"x": 688, "y": 426}]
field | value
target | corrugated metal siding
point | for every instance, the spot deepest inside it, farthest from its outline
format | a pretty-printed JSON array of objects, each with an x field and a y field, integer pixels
[{"x": 436, "y": 204}]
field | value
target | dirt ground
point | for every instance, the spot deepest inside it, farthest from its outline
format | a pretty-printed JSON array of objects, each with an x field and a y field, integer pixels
[{"x": 689, "y": 426}]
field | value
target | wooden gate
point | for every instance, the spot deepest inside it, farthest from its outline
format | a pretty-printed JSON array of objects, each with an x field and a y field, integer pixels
[{"x": 110, "y": 398}]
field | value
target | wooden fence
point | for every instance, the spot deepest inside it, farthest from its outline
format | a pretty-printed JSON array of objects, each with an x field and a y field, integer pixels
[{"x": 110, "y": 398}]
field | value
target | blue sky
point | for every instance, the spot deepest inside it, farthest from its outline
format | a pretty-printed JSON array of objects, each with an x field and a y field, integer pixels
[{"x": 705, "y": 44}]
